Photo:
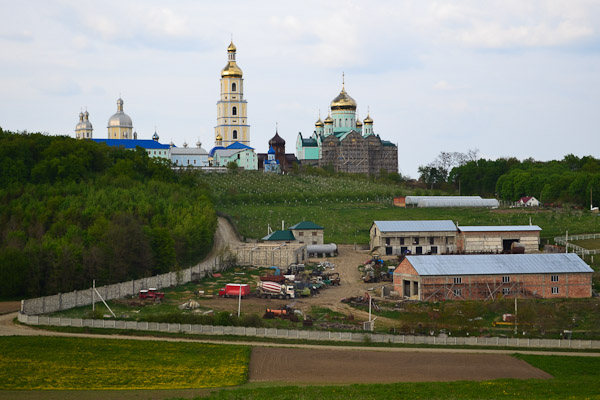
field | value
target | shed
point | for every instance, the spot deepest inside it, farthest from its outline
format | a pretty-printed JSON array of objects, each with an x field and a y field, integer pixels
[{"x": 497, "y": 239}]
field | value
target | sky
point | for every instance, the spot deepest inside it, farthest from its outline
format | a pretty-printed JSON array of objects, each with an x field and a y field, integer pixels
[{"x": 509, "y": 78}]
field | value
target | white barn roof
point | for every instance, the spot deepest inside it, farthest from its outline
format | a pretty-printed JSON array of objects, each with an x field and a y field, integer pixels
[
  {"x": 500, "y": 228},
  {"x": 498, "y": 264},
  {"x": 415, "y": 226},
  {"x": 415, "y": 199},
  {"x": 457, "y": 202}
]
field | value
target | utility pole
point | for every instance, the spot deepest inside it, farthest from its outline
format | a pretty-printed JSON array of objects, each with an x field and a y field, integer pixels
[
  {"x": 93, "y": 296},
  {"x": 239, "y": 299},
  {"x": 515, "y": 314}
]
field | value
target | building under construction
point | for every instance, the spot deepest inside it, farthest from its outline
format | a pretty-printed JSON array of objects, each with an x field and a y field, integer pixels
[
  {"x": 490, "y": 276},
  {"x": 269, "y": 254},
  {"x": 354, "y": 153}
]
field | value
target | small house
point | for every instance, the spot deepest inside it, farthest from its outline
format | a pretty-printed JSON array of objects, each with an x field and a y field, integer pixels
[{"x": 528, "y": 201}]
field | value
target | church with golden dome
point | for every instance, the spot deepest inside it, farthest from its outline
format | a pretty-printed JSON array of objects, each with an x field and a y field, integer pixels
[
  {"x": 232, "y": 121},
  {"x": 345, "y": 143}
]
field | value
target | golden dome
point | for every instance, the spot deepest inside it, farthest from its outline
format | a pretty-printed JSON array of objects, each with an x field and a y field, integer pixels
[
  {"x": 329, "y": 120},
  {"x": 319, "y": 123},
  {"x": 358, "y": 123},
  {"x": 343, "y": 101},
  {"x": 219, "y": 137},
  {"x": 231, "y": 69},
  {"x": 368, "y": 120}
]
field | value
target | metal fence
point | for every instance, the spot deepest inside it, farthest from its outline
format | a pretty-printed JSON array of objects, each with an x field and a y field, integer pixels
[
  {"x": 309, "y": 334},
  {"x": 78, "y": 298}
]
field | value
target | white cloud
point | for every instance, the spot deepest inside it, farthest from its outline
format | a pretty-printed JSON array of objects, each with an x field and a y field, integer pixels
[
  {"x": 443, "y": 85},
  {"x": 511, "y": 23}
]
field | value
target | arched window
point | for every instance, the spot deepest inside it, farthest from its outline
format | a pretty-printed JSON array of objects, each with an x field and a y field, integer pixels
[
  {"x": 234, "y": 134},
  {"x": 234, "y": 111},
  {"x": 233, "y": 87}
]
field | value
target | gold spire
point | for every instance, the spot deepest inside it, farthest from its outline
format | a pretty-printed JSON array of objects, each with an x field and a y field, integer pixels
[
  {"x": 231, "y": 69},
  {"x": 343, "y": 101},
  {"x": 368, "y": 120}
]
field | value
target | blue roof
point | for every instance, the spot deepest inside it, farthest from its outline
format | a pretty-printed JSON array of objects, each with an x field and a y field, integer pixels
[
  {"x": 238, "y": 146},
  {"x": 493, "y": 264},
  {"x": 212, "y": 151},
  {"x": 416, "y": 226},
  {"x": 133, "y": 143},
  {"x": 271, "y": 151}
]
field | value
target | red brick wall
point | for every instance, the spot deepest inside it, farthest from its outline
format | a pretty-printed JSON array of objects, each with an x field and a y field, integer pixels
[
  {"x": 476, "y": 287},
  {"x": 404, "y": 271}
]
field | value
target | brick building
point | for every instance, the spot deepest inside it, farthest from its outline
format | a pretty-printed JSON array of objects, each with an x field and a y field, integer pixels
[
  {"x": 497, "y": 239},
  {"x": 489, "y": 276},
  {"x": 308, "y": 232}
]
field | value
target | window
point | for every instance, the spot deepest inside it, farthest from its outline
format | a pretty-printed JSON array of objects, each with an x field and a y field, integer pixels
[
  {"x": 233, "y": 87},
  {"x": 431, "y": 241},
  {"x": 234, "y": 110},
  {"x": 433, "y": 249},
  {"x": 387, "y": 241},
  {"x": 505, "y": 291},
  {"x": 235, "y": 135},
  {"x": 555, "y": 290},
  {"x": 401, "y": 240},
  {"x": 554, "y": 278},
  {"x": 300, "y": 233},
  {"x": 457, "y": 292},
  {"x": 458, "y": 280},
  {"x": 416, "y": 240},
  {"x": 194, "y": 161},
  {"x": 505, "y": 279}
]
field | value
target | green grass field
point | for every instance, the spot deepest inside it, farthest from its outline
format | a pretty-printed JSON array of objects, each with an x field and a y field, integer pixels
[
  {"x": 345, "y": 222},
  {"x": 52, "y": 363},
  {"x": 574, "y": 378},
  {"x": 590, "y": 244}
]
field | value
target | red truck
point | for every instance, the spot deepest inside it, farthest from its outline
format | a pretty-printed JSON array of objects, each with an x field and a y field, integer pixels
[
  {"x": 234, "y": 289},
  {"x": 151, "y": 293}
]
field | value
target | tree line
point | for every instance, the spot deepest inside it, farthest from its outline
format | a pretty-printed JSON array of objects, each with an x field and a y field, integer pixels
[
  {"x": 75, "y": 210},
  {"x": 572, "y": 180}
]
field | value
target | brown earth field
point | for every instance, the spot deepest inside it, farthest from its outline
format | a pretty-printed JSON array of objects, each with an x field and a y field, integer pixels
[
  {"x": 313, "y": 366},
  {"x": 9, "y": 306}
]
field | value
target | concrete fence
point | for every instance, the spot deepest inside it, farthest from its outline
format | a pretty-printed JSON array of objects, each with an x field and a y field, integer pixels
[
  {"x": 78, "y": 298},
  {"x": 308, "y": 335}
]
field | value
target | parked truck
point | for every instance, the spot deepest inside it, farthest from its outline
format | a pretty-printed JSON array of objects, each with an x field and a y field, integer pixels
[
  {"x": 151, "y": 294},
  {"x": 234, "y": 290},
  {"x": 267, "y": 289}
]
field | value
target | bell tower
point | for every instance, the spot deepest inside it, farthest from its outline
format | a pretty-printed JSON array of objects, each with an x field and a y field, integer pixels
[{"x": 232, "y": 122}]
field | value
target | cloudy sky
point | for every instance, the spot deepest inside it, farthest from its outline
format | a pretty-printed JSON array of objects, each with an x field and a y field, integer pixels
[{"x": 509, "y": 77}]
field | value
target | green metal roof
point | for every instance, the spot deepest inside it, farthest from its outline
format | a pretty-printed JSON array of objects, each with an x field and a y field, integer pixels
[
  {"x": 309, "y": 143},
  {"x": 279, "y": 236},
  {"x": 306, "y": 225}
]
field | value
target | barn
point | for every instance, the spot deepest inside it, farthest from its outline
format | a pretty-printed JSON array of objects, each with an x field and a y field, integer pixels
[
  {"x": 497, "y": 239},
  {"x": 413, "y": 237},
  {"x": 490, "y": 276}
]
